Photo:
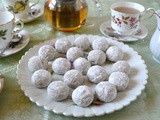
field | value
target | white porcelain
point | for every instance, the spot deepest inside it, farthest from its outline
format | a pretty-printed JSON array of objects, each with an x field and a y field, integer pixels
[
  {"x": 20, "y": 46},
  {"x": 1, "y": 82},
  {"x": 155, "y": 41},
  {"x": 7, "y": 27},
  {"x": 107, "y": 30},
  {"x": 126, "y": 23},
  {"x": 139, "y": 76},
  {"x": 40, "y": 11},
  {"x": 20, "y": 8}
]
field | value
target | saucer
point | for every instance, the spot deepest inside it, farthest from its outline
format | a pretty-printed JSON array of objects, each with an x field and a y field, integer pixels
[
  {"x": 36, "y": 10},
  {"x": 1, "y": 82},
  {"x": 108, "y": 31},
  {"x": 17, "y": 46}
]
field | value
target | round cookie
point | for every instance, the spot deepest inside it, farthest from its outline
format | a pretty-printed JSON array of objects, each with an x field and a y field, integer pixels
[
  {"x": 82, "y": 65},
  {"x": 83, "y": 96},
  {"x": 41, "y": 78},
  {"x": 105, "y": 91},
  {"x": 73, "y": 78},
  {"x": 58, "y": 91},
  {"x": 62, "y": 45},
  {"x": 82, "y": 42},
  {"x": 97, "y": 74},
  {"x": 96, "y": 57},
  {"x": 47, "y": 51},
  {"x": 61, "y": 66},
  {"x": 36, "y": 63},
  {"x": 114, "y": 54},
  {"x": 74, "y": 53},
  {"x": 120, "y": 80},
  {"x": 100, "y": 44},
  {"x": 121, "y": 66}
]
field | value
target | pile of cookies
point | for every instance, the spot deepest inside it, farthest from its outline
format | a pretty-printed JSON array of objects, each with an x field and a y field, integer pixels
[{"x": 76, "y": 65}]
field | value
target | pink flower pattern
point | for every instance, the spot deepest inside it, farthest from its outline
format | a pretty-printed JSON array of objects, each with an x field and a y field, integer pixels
[{"x": 132, "y": 21}]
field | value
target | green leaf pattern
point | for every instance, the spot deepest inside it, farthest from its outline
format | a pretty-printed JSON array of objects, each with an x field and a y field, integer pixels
[{"x": 3, "y": 34}]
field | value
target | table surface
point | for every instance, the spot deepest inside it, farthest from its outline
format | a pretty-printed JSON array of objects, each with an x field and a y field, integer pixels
[{"x": 14, "y": 105}]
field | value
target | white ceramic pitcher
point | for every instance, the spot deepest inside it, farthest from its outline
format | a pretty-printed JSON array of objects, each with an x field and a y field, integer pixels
[{"x": 155, "y": 40}]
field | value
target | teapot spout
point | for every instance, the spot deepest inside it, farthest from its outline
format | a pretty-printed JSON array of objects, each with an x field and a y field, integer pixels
[{"x": 157, "y": 14}]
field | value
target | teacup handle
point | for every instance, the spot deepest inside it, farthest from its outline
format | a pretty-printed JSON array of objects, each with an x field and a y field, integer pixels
[
  {"x": 147, "y": 11},
  {"x": 18, "y": 29},
  {"x": 34, "y": 4}
]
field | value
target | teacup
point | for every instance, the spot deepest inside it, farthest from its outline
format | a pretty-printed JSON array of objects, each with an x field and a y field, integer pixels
[
  {"x": 7, "y": 28},
  {"x": 20, "y": 8},
  {"x": 126, "y": 17}
]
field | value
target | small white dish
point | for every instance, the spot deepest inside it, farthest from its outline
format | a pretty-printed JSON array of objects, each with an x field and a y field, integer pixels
[
  {"x": 1, "y": 82},
  {"x": 138, "y": 80},
  {"x": 22, "y": 44},
  {"x": 39, "y": 12},
  {"x": 108, "y": 31}
]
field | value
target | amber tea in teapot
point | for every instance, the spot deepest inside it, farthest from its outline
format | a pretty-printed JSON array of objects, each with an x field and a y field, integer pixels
[{"x": 66, "y": 15}]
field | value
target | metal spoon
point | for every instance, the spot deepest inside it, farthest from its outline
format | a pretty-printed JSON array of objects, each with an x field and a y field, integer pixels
[{"x": 1, "y": 53}]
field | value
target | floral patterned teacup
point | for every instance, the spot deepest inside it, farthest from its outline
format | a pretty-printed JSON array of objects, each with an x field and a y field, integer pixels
[
  {"x": 20, "y": 8},
  {"x": 126, "y": 21},
  {"x": 7, "y": 28}
]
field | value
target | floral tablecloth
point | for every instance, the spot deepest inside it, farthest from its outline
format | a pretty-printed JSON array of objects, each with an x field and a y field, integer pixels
[{"x": 14, "y": 105}]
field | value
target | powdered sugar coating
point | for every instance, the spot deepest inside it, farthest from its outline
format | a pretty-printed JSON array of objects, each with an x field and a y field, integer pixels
[
  {"x": 96, "y": 57},
  {"x": 73, "y": 78},
  {"x": 121, "y": 66},
  {"x": 82, "y": 42},
  {"x": 41, "y": 78},
  {"x": 106, "y": 91},
  {"x": 36, "y": 63},
  {"x": 74, "y": 53},
  {"x": 120, "y": 80},
  {"x": 58, "y": 91},
  {"x": 114, "y": 54},
  {"x": 61, "y": 66},
  {"x": 47, "y": 51},
  {"x": 82, "y": 65},
  {"x": 83, "y": 96},
  {"x": 62, "y": 45},
  {"x": 100, "y": 44},
  {"x": 97, "y": 74}
]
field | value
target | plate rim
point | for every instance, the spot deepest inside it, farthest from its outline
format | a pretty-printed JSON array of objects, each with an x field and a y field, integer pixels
[
  {"x": 27, "y": 41},
  {"x": 27, "y": 20},
  {"x": 136, "y": 39},
  {"x": 1, "y": 82},
  {"x": 84, "y": 115}
]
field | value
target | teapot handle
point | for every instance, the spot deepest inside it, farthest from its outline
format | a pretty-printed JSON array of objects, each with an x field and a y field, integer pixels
[{"x": 99, "y": 6}]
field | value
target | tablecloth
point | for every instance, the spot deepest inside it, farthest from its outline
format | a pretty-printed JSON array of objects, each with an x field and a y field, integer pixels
[{"x": 14, "y": 105}]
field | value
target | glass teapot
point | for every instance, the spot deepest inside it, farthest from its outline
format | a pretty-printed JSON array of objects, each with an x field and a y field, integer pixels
[{"x": 68, "y": 15}]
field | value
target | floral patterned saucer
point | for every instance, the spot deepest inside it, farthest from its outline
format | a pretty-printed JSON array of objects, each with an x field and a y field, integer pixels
[
  {"x": 108, "y": 31},
  {"x": 1, "y": 82},
  {"x": 35, "y": 13},
  {"x": 17, "y": 44}
]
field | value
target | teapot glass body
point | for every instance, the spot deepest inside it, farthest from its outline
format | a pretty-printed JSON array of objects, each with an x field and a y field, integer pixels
[{"x": 66, "y": 15}]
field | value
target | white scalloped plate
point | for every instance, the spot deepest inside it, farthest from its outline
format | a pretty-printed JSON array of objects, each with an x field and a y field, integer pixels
[{"x": 67, "y": 107}]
